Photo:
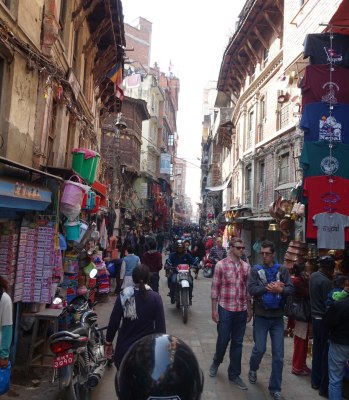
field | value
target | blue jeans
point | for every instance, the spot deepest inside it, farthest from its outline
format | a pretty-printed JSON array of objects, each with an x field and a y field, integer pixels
[
  {"x": 231, "y": 327},
  {"x": 338, "y": 355},
  {"x": 319, "y": 367},
  {"x": 275, "y": 327}
]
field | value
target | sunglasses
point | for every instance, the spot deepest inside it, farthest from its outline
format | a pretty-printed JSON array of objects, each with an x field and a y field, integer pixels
[
  {"x": 239, "y": 247},
  {"x": 265, "y": 253}
]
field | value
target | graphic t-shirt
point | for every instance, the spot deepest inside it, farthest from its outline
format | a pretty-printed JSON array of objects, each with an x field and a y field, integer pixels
[
  {"x": 319, "y": 48},
  {"x": 321, "y": 123},
  {"x": 330, "y": 230},
  {"x": 321, "y": 84},
  {"x": 324, "y": 194},
  {"x": 316, "y": 159}
]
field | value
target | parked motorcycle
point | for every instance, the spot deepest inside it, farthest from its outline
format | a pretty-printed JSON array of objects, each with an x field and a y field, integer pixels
[
  {"x": 182, "y": 287},
  {"x": 80, "y": 361}
]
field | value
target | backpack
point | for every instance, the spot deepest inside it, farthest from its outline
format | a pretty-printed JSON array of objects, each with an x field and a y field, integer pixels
[{"x": 270, "y": 301}]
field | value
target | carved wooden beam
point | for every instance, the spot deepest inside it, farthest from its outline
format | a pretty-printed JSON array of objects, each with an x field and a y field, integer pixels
[
  {"x": 80, "y": 14},
  {"x": 271, "y": 23},
  {"x": 251, "y": 55},
  {"x": 260, "y": 37},
  {"x": 279, "y": 6},
  {"x": 104, "y": 26},
  {"x": 253, "y": 51}
]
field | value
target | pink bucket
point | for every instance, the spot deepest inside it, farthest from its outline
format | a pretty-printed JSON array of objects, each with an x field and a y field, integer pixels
[{"x": 72, "y": 191}]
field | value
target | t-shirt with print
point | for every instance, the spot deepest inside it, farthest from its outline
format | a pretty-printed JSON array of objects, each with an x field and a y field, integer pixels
[
  {"x": 321, "y": 84},
  {"x": 330, "y": 230},
  {"x": 321, "y": 50},
  {"x": 316, "y": 159},
  {"x": 319, "y": 123},
  {"x": 323, "y": 195},
  {"x": 5, "y": 312}
]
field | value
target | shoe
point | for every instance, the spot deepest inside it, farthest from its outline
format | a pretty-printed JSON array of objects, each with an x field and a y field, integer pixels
[
  {"x": 315, "y": 387},
  {"x": 213, "y": 370},
  {"x": 323, "y": 394},
  {"x": 196, "y": 276},
  {"x": 303, "y": 372},
  {"x": 238, "y": 382},
  {"x": 307, "y": 369},
  {"x": 252, "y": 377},
  {"x": 173, "y": 300},
  {"x": 277, "y": 396}
]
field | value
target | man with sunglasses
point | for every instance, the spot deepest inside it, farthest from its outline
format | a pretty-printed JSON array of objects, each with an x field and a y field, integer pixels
[
  {"x": 231, "y": 309},
  {"x": 269, "y": 284}
]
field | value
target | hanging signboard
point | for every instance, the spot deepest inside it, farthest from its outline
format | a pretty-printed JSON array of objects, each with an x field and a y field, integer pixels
[{"x": 165, "y": 164}]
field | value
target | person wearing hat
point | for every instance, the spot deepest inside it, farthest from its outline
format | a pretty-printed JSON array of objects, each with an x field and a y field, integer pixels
[{"x": 320, "y": 284}]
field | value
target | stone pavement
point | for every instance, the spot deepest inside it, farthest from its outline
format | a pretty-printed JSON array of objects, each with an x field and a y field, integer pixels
[{"x": 200, "y": 334}]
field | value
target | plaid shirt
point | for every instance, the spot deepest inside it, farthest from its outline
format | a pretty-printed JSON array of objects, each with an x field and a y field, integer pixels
[{"x": 229, "y": 285}]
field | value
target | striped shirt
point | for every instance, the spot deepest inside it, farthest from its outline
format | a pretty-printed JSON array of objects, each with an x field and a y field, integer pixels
[{"x": 229, "y": 284}]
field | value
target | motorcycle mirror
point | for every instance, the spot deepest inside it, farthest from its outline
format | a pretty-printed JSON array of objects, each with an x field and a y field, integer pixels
[{"x": 57, "y": 300}]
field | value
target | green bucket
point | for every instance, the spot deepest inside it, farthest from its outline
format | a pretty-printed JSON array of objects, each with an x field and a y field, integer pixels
[{"x": 86, "y": 168}]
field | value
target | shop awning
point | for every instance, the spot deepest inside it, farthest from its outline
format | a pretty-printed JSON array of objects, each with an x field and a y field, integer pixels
[
  {"x": 220, "y": 187},
  {"x": 339, "y": 23},
  {"x": 20, "y": 195},
  {"x": 288, "y": 185}
]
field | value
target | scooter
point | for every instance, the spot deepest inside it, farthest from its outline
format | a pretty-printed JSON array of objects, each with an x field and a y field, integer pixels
[
  {"x": 208, "y": 267},
  {"x": 182, "y": 287},
  {"x": 79, "y": 361}
]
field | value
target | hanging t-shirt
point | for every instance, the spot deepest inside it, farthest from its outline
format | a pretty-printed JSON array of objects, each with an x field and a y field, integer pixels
[
  {"x": 316, "y": 159},
  {"x": 321, "y": 84},
  {"x": 318, "y": 47},
  {"x": 330, "y": 230},
  {"x": 324, "y": 195},
  {"x": 319, "y": 124}
]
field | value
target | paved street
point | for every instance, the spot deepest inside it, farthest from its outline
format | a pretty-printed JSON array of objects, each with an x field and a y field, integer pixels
[{"x": 200, "y": 334}]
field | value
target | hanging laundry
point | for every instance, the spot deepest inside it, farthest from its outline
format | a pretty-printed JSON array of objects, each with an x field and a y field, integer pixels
[{"x": 133, "y": 81}]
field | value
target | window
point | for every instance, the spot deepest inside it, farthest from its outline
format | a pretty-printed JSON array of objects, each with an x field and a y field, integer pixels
[
  {"x": 76, "y": 51},
  {"x": 262, "y": 174},
  {"x": 62, "y": 14},
  {"x": 265, "y": 57},
  {"x": 248, "y": 184},
  {"x": 170, "y": 139},
  {"x": 51, "y": 134},
  {"x": 284, "y": 168},
  {"x": 262, "y": 108},
  {"x": 253, "y": 73},
  {"x": 250, "y": 129}
]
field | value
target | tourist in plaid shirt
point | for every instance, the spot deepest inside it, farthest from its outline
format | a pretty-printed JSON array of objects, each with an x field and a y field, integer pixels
[{"x": 231, "y": 309}]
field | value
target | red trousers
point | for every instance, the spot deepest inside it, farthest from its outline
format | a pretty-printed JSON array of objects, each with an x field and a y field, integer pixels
[{"x": 299, "y": 360}]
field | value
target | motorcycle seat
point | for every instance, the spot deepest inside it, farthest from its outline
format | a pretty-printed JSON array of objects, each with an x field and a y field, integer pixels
[
  {"x": 80, "y": 329},
  {"x": 77, "y": 332}
]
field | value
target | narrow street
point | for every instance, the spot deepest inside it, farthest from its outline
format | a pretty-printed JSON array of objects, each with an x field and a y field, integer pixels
[{"x": 200, "y": 334}]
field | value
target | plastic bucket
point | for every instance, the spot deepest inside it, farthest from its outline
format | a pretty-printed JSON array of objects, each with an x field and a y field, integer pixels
[
  {"x": 86, "y": 168},
  {"x": 72, "y": 230},
  {"x": 72, "y": 191}
]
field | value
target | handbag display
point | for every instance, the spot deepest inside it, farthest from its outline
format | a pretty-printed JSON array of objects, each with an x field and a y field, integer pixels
[{"x": 297, "y": 309}]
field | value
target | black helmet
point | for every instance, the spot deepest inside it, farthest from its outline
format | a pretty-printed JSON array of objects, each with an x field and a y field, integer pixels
[{"x": 159, "y": 366}]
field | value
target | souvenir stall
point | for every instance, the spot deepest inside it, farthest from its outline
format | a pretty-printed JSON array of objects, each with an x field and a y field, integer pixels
[
  {"x": 324, "y": 158},
  {"x": 30, "y": 254}
]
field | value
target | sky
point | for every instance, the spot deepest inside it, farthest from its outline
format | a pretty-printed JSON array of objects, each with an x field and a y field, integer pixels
[{"x": 193, "y": 36}]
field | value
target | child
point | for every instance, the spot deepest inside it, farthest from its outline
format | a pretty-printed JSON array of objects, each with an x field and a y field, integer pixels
[{"x": 340, "y": 290}]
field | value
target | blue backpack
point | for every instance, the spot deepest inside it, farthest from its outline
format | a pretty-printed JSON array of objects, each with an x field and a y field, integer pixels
[{"x": 270, "y": 301}]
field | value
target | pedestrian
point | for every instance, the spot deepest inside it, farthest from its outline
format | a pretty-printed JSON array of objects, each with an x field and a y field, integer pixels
[
  {"x": 269, "y": 284},
  {"x": 300, "y": 282},
  {"x": 320, "y": 284},
  {"x": 129, "y": 262},
  {"x": 231, "y": 309},
  {"x": 153, "y": 260},
  {"x": 6, "y": 323},
  {"x": 336, "y": 321},
  {"x": 139, "y": 311},
  {"x": 217, "y": 252},
  {"x": 160, "y": 238}
]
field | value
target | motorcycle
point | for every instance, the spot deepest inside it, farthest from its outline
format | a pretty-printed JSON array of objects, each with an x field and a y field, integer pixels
[
  {"x": 79, "y": 361},
  {"x": 182, "y": 287},
  {"x": 208, "y": 267}
]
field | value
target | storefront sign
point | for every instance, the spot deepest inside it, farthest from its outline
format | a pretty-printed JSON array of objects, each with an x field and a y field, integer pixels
[
  {"x": 165, "y": 164},
  {"x": 23, "y": 195}
]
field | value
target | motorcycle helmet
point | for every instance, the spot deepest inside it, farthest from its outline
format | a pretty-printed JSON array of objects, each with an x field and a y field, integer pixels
[{"x": 159, "y": 366}]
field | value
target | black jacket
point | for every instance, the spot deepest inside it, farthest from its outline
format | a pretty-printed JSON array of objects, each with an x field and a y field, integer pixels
[{"x": 337, "y": 320}]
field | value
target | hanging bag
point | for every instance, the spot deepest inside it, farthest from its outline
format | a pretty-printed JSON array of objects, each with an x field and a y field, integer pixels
[{"x": 297, "y": 309}]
